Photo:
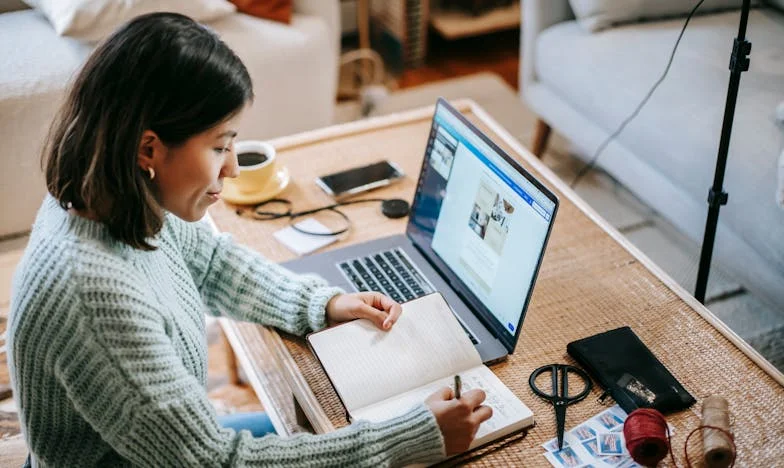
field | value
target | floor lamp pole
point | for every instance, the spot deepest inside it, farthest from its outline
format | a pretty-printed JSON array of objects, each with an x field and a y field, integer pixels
[{"x": 739, "y": 62}]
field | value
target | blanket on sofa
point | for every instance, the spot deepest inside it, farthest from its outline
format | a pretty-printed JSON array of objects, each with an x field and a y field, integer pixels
[{"x": 780, "y": 191}]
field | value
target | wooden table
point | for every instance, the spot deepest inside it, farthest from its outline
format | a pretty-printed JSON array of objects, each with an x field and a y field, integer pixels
[{"x": 592, "y": 279}]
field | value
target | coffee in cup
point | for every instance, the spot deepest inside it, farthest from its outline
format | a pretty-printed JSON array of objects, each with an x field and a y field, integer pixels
[
  {"x": 251, "y": 158},
  {"x": 256, "y": 160}
]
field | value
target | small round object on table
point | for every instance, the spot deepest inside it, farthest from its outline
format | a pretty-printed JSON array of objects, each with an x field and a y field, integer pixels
[{"x": 394, "y": 208}]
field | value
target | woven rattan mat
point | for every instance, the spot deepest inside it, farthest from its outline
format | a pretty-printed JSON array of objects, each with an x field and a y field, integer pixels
[{"x": 588, "y": 284}]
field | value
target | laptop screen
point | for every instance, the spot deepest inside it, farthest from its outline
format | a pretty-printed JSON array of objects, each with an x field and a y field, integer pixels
[{"x": 484, "y": 217}]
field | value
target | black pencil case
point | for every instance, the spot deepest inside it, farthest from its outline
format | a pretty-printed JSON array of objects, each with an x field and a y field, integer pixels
[{"x": 629, "y": 372}]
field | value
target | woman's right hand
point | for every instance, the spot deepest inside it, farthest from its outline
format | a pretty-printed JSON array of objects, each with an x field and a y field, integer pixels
[{"x": 458, "y": 419}]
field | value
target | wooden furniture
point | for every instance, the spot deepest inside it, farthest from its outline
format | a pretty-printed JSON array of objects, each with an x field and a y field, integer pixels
[
  {"x": 592, "y": 279},
  {"x": 453, "y": 23},
  {"x": 541, "y": 136},
  {"x": 13, "y": 451}
]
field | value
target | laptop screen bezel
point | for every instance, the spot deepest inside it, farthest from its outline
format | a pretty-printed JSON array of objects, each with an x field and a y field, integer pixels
[{"x": 422, "y": 240}]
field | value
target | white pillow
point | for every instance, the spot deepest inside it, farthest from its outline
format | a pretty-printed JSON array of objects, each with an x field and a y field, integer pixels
[
  {"x": 92, "y": 20},
  {"x": 594, "y": 15}
]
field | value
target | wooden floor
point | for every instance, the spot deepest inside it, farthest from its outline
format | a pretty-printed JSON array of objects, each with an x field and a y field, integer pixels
[{"x": 497, "y": 53}]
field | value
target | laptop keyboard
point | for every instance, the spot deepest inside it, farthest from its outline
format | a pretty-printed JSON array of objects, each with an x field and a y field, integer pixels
[{"x": 390, "y": 272}]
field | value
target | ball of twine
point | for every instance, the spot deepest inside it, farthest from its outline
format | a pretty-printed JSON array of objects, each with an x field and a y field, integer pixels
[{"x": 647, "y": 436}]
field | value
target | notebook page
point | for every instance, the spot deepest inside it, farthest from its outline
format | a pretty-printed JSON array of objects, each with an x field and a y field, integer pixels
[
  {"x": 368, "y": 365},
  {"x": 509, "y": 413}
]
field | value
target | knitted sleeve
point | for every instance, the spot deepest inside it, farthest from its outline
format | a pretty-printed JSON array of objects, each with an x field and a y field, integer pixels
[
  {"x": 238, "y": 282},
  {"x": 120, "y": 371}
]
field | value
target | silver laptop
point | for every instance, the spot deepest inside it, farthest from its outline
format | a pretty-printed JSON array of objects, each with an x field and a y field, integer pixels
[{"x": 477, "y": 233}]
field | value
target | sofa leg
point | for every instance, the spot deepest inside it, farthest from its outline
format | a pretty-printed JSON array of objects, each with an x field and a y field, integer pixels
[{"x": 541, "y": 135}]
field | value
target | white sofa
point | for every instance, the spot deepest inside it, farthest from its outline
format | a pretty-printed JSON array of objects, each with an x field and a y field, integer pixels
[
  {"x": 583, "y": 85},
  {"x": 294, "y": 70}
]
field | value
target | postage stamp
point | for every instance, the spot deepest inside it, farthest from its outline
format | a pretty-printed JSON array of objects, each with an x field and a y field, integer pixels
[
  {"x": 614, "y": 460},
  {"x": 610, "y": 443},
  {"x": 564, "y": 458},
  {"x": 609, "y": 420},
  {"x": 591, "y": 447},
  {"x": 584, "y": 432},
  {"x": 552, "y": 445}
]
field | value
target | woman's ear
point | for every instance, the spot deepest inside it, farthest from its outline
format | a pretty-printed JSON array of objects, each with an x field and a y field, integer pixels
[{"x": 151, "y": 151}]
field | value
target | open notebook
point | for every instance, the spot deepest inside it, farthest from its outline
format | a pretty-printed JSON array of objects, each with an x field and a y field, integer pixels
[{"x": 379, "y": 375}]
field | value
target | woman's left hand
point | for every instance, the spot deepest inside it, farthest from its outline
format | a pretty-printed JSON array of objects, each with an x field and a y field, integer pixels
[{"x": 374, "y": 306}]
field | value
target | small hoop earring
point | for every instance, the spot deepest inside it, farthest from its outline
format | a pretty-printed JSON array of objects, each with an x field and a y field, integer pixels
[{"x": 152, "y": 172}]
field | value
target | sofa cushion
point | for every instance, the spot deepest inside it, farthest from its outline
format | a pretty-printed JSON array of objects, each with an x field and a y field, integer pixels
[
  {"x": 605, "y": 75},
  {"x": 595, "y": 15},
  {"x": 93, "y": 20},
  {"x": 293, "y": 68},
  {"x": 42, "y": 62},
  {"x": 275, "y": 10},
  {"x": 284, "y": 61},
  {"x": 34, "y": 75}
]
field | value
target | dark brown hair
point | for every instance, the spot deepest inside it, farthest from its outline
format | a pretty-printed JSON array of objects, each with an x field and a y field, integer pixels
[{"x": 161, "y": 72}]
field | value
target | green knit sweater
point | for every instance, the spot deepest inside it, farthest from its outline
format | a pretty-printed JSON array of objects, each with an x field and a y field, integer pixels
[{"x": 108, "y": 355}]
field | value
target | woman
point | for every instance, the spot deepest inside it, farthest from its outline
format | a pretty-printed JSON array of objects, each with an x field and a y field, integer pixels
[{"x": 106, "y": 339}]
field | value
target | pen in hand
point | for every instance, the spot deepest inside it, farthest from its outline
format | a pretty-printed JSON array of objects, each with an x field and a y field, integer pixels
[{"x": 457, "y": 386}]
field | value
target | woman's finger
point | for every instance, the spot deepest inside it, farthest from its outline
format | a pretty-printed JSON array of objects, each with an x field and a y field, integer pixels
[
  {"x": 392, "y": 308},
  {"x": 442, "y": 394},
  {"x": 473, "y": 398},
  {"x": 482, "y": 414},
  {"x": 384, "y": 302},
  {"x": 374, "y": 315},
  {"x": 392, "y": 315}
]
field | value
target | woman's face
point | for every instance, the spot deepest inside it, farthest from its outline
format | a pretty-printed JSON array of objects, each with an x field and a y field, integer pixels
[{"x": 189, "y": 178}]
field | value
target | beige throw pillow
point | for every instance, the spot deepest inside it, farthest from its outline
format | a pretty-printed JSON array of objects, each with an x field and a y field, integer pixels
[
  {"x": 595, "y": 15},
  {"x": 92, "y": 20}
]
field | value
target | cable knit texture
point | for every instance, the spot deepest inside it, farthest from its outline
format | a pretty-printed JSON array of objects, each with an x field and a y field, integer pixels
[{"x": 107, "y": 350}]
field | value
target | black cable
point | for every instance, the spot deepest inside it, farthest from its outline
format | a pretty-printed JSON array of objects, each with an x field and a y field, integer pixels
[
  {"x": 592, "y": 162},
  {"x": 333, "y": 208},
  {"x": 258, "y": 213},
  {"x": 335, "y": 205}
]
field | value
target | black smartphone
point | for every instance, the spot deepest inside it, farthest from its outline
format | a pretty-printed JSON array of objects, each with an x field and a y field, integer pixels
[{"x": 359, "y": 179}]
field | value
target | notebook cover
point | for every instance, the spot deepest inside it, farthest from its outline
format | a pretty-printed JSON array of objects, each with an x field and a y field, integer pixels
[
  {"x": 315, "y": 354},
  {"x": 622, "y": 364}
]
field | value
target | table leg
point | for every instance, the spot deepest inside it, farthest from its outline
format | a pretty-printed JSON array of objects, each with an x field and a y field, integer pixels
[{"x": 232, "y": 368}]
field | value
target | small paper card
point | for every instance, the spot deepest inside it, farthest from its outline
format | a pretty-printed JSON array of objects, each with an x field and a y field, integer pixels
[
  {"x": 611, "y": 443},
  {"x": 597, "y": 443},
  {"x": 564, "y": 458},
  {"x": 301, "y": 243}
]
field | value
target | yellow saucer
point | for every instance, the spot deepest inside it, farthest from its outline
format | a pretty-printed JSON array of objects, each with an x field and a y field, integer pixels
[{"x": 273, "y": 187}]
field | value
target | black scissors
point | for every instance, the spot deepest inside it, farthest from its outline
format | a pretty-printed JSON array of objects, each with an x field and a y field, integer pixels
[{"x": 560, "y": 397}]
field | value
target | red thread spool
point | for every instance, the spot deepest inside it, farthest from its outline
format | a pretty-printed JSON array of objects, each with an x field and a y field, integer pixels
[{"x": 647, "y": 436}]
